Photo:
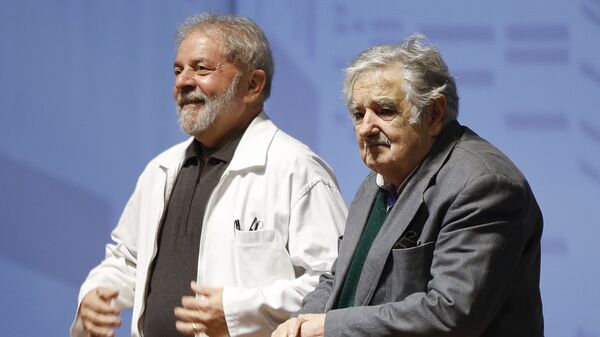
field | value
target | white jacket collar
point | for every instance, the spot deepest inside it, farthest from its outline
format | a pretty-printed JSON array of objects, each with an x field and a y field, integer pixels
[
  {"x": 254, "y": 145},
  {"x": 251, "y": 151}
]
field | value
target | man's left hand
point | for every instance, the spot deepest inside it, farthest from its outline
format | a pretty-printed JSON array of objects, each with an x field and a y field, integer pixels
[
  {"x": 203, "y": 313},
  {"x": 313, "y": 325},
  {"x": 307, "y": 325}
]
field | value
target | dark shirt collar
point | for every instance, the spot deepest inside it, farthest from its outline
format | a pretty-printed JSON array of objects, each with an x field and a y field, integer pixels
[
  {"x": 224, "y": 153},
  {"x": 390, "y": 192}
]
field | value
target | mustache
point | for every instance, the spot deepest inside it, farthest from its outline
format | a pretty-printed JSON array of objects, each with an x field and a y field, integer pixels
[
  {"x": 191, "y": 97},
  {"x": 379, "y": 139}
]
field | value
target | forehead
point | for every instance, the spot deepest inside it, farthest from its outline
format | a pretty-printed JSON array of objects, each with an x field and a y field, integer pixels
[
  {"x": 379, "y": 83},
  {"x": 200, "y": 44}
]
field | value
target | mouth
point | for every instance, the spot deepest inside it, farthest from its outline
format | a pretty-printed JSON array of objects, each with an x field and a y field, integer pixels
[
  {"x": 190, "y": 103},
  {"x": 376, "y": 140},
  {"x": 368, "y": 143},
  {"x": 374, "y": 147},
  {"x": 191, "y": 99}
]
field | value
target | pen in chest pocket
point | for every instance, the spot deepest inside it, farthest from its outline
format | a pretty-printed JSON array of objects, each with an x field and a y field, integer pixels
[{"x": 255, "y": 225}]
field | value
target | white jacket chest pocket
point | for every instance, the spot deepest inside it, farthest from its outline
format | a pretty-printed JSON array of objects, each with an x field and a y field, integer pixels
[
  {"x": 261, "y": 258},
  {"x": 252, "y": 238}
]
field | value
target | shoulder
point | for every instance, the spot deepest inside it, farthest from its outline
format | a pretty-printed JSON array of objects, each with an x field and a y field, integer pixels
[
  {"x": 474, "y": 157},
  {"x": 288, "y": 153},
  {"x": 478, "y": 177}
]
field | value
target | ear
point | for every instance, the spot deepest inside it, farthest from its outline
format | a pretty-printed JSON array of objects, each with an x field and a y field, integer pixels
[
  {"x": 256, "y": 82},
  {"x": 436, "y": 116}
]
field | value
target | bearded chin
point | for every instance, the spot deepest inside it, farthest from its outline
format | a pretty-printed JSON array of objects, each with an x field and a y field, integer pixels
[{"x": 193, "y": 120}]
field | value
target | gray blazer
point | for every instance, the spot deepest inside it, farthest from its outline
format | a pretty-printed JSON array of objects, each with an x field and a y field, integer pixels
[{"x": 458, "y": 255}]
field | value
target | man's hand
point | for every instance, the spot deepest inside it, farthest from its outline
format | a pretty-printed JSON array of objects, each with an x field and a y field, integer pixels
[
  {"x": 309, "y": 325},
  {"x": 203, "y": 313},
  {"x": 98, "y": 316},
  {"x": 289, "y": 328},
  {"x": 313, "y": 325}
]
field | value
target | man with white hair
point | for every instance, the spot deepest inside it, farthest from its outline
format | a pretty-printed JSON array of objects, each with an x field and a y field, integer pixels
[
  {"x": 443, "y": 237},
  {"x": 225, "y": 233}
]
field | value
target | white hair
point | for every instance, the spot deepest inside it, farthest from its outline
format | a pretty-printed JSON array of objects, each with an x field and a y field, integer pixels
[{"x": 422, "y": 74}]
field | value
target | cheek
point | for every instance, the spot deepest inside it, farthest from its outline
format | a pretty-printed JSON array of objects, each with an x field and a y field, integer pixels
[
  {"x": 209, "y": 86},
  {"x": 359, "y": 144}
]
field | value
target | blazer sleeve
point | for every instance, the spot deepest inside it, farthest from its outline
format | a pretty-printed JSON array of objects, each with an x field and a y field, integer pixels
[
  {"x": 475, "y": 260},
  {"x": 314, "y": 302}
]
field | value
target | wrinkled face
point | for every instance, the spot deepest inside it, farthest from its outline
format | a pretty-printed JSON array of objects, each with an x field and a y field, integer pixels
[
  {"x": 389, "y": 144},
  {"x": 205, "y": 84}
]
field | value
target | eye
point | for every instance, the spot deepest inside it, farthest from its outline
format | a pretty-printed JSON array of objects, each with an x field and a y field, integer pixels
[
  {"x": 387, "y": 113},
  {"x": 358, "y": 117},
  {"x": 203, "y": 69},
  {"x": 176, "y": 71}
]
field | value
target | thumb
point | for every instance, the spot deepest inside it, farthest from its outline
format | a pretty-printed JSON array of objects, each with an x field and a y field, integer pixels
[
  {"x": 202, "y": 290},
  {"x": 107, "y": 294}
]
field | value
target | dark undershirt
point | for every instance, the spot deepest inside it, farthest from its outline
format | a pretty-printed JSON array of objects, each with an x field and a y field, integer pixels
[{"x": 176, "y": 261}]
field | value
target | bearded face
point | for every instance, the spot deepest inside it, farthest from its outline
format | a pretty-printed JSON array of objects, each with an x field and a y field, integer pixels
[{"x": 198, "y": 111}]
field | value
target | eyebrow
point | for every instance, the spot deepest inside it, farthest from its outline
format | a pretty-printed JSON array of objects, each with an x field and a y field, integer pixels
[
  {"x": 385, "y": 102},
  {"x": 193, "y": 61},
  {"x": 352, "y": 106},
  {"x": 382, "y": 102}
]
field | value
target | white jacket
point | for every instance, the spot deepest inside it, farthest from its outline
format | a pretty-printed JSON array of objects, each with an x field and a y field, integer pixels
[{"x": 265, "y": 273}]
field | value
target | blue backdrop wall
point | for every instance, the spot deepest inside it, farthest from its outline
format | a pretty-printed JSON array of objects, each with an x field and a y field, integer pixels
[{"x": 85, "y": 102}]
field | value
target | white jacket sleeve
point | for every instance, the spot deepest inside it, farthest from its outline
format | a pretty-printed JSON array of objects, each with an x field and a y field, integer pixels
[
  {"x": 118, "y": 269},
  {"x": 316, "y": 221}
]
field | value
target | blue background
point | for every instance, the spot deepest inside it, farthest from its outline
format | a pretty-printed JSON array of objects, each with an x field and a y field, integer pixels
[{"x": 86, "y": 102}]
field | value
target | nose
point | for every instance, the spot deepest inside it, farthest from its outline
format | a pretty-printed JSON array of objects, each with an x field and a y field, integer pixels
[
  {"x": 184, "y": 80},
  {"x": 368, "y": 125}
]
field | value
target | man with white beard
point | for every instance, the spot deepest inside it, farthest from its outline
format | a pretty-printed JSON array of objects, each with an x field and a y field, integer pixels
[{"x": 225, "y": 233}]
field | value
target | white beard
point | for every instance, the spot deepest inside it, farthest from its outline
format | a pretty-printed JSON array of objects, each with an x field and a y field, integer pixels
[{"x": 197, "y": 119}]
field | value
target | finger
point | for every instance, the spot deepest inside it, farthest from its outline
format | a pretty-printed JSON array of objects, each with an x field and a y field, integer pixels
[
  {"x": 190, "y": 302},
  {"x": 206, "y": 291},
  {"x": 303, "y": 318},
  {"x": 107, "y": 294},
  {"x": 93, "y": 300},
  {"x": 95, "y": 303},
  {"x": 96, "y": 331},
  {"x": 100, "y": 320},
  {"x": 282, "y": 329},
  {"x": 186, "y": 315},
  {"x": 277, "y": 331},
  {"x": 293, "y": 327},
  {"x": 187, "y": 328}
]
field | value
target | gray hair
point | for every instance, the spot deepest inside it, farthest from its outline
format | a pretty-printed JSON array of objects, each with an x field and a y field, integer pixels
[
  {"x": 423, "y": 74},
  {"x": 244, "y": 43}
]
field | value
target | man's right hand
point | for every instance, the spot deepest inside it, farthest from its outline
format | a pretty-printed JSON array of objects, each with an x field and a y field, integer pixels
[
  {"x": 289, "y": 328},
  {"x": 98, "y": 316}
]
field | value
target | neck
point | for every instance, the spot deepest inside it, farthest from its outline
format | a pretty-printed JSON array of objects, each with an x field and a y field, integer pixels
[{"x": 217, "y": 135}]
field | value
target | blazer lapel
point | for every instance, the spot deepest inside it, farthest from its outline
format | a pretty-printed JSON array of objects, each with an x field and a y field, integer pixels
[
  {"x": 402, "y": 213},
  {"x": 357, "y": 219}
]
